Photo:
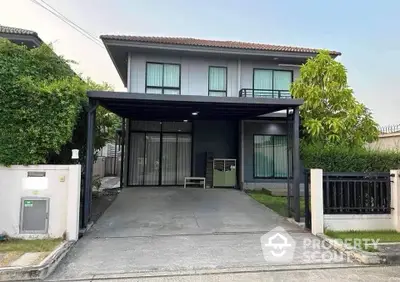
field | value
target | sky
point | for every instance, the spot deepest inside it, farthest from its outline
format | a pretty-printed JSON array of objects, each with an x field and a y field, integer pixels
[{"x": 365, "y": 31}]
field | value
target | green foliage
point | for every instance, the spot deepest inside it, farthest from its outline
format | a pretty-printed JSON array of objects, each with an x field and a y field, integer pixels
[
  {"x": 275, "y": 203},
  {"x": 39, "y": 101},
  {"x": 342, "y": 158},
  {"x": 330, "y": 113},
  {"x": 42, "y": 104},
  {"x": 106, "y": 122}
]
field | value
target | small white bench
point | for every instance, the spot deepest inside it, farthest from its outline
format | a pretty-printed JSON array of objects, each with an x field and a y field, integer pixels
[{"x": 195, "y": 181}]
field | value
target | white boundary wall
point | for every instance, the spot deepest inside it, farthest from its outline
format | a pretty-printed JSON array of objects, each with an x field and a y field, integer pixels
[
  {"x": 346, "y": 222},
  {"x": 61, "y": 184}
]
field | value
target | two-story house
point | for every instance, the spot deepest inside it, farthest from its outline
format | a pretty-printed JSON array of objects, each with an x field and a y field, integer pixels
[{"x": 191, "y": 101}]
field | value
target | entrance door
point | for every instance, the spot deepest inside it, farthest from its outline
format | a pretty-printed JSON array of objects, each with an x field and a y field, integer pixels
[
  {"x": 160, "y": 158},
  {"x": 144, "y": 163},
  {"x": 176, "y": 158}
]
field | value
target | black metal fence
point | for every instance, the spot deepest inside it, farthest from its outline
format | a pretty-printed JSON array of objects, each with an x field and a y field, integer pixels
[
  {"x": 356, "y": 193},
  {"x": 265, "y": 93}
]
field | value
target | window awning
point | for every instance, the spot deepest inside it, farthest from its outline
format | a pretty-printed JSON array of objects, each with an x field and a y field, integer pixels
[{"x": 140, "y": 106}]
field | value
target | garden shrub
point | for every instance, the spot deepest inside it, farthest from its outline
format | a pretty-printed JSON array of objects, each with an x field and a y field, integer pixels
[
  {"x": 42, "y": 104},
  {"x": 342, "y": 158}
]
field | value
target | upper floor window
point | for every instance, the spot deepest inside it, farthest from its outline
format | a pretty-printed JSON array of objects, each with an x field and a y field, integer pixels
[
  {"x": 163, "y": 78},
  {"x": 217, "y": 81},
  {"x": 272, "y": 83}
]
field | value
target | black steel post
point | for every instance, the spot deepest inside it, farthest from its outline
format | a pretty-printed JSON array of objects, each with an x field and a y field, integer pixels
[
  {"x": 288, "y": 162},
  {"x": 115, "y": 155},
  {"x": 296, "y": 163},
  {"x": 307, "y": 212},
  {"x": 87, "y": 200},
  {"x": 123, "y": 132}
]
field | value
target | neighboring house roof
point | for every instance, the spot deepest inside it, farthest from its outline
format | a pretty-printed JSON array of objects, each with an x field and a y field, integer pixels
[
  {"x": 20, "y": 36},
  {"x": 15, "y": 30},
  {"x": 215, "y": 43}
]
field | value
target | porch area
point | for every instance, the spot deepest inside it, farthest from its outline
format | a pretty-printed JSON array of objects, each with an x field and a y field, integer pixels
[{"x": 169, "y": 137}]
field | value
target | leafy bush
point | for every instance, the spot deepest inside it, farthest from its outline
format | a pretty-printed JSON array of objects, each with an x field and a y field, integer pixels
[
  {"x": 40, "y": 98},
  {"x": 42, "y": 104},
  {"x": 335, "y": 158}
]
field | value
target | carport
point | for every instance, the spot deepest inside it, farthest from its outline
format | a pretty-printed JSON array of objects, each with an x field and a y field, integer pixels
[{"x": 162, "y": 108}]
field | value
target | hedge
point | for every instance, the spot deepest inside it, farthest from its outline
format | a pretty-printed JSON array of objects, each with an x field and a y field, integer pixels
[{"x": 348, "y": 159}]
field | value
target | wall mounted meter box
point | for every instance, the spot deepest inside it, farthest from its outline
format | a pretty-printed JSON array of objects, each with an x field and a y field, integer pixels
[{"x": 34, "y": 215}]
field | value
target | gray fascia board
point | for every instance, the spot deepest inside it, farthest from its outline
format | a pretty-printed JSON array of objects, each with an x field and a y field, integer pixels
[
  {"x": 22, "y": 37},
  {"x": 111, "y": 95}
]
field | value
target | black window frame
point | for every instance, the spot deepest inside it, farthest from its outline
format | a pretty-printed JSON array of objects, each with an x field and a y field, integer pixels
[
  {"x": 164, "y": 87},
  {"x": 273, "y": 156},
  {"x": 226, "y": 80},
  {"x": 273, "y": 71}
]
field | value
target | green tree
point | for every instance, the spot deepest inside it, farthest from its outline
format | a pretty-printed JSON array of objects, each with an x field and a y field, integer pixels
[
  {"x": 330, "y": 113},
  {"x": 42, "y": 104}
]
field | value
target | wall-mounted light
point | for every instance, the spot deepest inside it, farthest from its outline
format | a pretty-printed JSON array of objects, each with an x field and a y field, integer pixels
[
  {"x": 195, "y": 113},
  {"x": 185, "y": 120},
  {"x": 289, "y": 65}
]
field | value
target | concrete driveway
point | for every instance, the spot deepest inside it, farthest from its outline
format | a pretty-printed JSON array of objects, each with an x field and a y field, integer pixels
[{"x": 148, "y": 231}]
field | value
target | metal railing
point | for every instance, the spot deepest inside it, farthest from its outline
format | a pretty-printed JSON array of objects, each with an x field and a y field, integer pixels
[
  {"x": 265, "y": 93},
  {"x": 389, "y": 129},
  {"x": 356, "y": 193}
]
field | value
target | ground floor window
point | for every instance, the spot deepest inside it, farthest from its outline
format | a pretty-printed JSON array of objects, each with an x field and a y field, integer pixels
[{"x": 270, "y": 156}]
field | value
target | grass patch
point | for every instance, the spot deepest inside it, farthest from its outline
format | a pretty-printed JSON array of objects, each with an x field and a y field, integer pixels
[
  {"x": 382, "y": 235},
  {"x": 275, "y": 203},
  {"x": 19, "y": 245},
  {"x": 9, "y": 257}
]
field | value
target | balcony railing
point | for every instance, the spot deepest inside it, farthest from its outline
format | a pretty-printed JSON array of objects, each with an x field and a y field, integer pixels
[{"x": 265, "y": 93}]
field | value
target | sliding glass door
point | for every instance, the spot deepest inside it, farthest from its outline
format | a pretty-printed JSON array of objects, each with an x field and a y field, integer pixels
[
  {"x": 272, "y": 83},
  {"x": 160, "y": 158},
  {"x": 168, "y": 162},
  {"x": 144, "y": 158},
  {"x": 176, "y": 158}
]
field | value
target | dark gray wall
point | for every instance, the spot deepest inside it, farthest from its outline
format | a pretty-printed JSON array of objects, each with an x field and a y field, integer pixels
[
  {"x": 219, "y": 137},
  {"x": 259, "y": 127}
]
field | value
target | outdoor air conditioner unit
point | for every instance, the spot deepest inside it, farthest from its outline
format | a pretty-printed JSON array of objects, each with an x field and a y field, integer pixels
[{"x": 224, "y": 173}]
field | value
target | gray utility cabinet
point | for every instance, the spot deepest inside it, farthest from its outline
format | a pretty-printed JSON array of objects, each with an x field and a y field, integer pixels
[
  {"x": 224, "y": 173},
  {"x": 34, "y": 217}
]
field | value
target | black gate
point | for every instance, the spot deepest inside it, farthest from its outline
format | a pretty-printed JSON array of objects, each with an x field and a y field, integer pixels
[{"x": 307, "y": 211}]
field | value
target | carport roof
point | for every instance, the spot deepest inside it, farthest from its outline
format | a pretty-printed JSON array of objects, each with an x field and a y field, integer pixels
[{"x": 142, "y": 106}]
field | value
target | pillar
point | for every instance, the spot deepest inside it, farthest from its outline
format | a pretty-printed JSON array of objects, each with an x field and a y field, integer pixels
[{"x": 317, "y": 201}]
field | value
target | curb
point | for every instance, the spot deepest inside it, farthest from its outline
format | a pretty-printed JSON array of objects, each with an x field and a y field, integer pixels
[
  {"x": 40, "y": 271},
  {"x": 204, "y": 272},
  {"x": 302, "y": 225},
  {"x": 360, "y": 255}
]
